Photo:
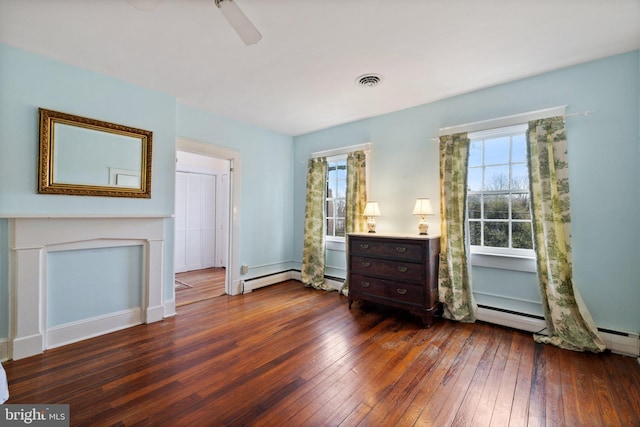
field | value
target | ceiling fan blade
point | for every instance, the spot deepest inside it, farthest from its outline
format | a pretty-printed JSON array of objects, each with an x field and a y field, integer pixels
[{"x": 239, "y": 21}]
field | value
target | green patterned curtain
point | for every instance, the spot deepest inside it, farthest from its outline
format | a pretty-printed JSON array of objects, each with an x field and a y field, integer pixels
[
  {"x": 454, "y": 280},
  {"x": 569, "y": 324},
  {"x": 356, "y": 191},
  {"x": 356, "y": 197},
  {"x": 313, "y": 255}
]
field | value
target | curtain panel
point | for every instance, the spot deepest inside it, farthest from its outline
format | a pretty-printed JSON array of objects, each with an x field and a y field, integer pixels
[
  {"x": 454, "y": 279},
  {"x": 569, "y": 323},
  {"x": 356, "y": 191},
  {"x": 313, "y": 255},
  {"x": 356, "y": 199}
]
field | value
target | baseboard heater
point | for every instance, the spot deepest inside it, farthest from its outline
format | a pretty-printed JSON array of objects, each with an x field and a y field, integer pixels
[
  {"x": 618, "y": 342},
  {"x": 254, "y": 283}
]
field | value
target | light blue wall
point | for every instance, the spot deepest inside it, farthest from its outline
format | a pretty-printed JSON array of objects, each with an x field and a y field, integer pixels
[
  {"x": 28, "y": 82},
  {"x": 113, "y": 284},
  {"x": 266, "y": 205},
  {"x": 4, "y": 272},
  {"x": 604, "y": 175}
]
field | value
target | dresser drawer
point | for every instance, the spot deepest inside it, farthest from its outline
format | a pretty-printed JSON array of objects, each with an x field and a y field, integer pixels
[
  {"x": 400, "y": 250},
  {"x": 396, "y": 291},
  {"x": 396, "y": 270}
]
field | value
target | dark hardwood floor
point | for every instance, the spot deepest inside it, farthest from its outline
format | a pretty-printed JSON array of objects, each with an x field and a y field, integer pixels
[
  {"x": 205, "y": 284},
  {"x": 286, "y": 355}
]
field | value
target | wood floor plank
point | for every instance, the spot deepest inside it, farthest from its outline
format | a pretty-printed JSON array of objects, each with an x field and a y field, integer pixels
[
  {"x": 508, "y": 380},
  {"x": 522, "y": 393},
  {"x": 290, "y": 355}
]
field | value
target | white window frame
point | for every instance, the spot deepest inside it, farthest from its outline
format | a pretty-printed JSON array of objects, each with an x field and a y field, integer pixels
[
  {"x": 333, "y": 238},
  {"x": 491, "y": 250},
  {"x": 337, "y": 243},
  {"x": 517, "y": 262}
]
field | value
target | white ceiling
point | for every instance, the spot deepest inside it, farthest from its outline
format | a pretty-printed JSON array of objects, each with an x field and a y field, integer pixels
[{"x": 300, "y": 77}]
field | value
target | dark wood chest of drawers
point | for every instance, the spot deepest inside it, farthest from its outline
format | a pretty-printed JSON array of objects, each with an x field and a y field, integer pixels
[{"x": 396, "y": 271}]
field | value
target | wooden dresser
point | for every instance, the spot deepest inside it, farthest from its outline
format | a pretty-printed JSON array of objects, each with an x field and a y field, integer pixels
[{"x": 394, "y": 270}]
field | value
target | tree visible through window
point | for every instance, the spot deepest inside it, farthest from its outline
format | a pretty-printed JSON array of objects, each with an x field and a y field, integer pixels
[
  {"x": 498, "y": 200},
  {"x": 336, "y": 197}
]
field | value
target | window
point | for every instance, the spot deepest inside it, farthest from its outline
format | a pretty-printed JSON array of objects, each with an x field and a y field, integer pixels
[
  {"x": 336, "y": 205},
  {"x": 498, "y": 200}
]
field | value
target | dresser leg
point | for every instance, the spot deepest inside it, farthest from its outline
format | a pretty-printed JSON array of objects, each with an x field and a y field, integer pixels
[{"x": 350, "y": 302}]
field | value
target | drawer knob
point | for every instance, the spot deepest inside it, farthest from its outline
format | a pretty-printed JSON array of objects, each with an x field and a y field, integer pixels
[
  {"x": 401, "y": 291},
  {"x": 366, "y": 263},
  {"x": 365, "y": 284},
  {"x": 402, "y": 269},
  {"x": 364, "y": 245},
  {"x": 401, "y": 249}
]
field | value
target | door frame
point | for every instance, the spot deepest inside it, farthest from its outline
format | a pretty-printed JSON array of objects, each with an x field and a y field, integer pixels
[{"x": 232, "y": 272}]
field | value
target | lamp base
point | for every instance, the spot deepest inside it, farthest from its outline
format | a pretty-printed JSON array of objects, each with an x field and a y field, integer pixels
[
  {"x": 371, "y": 225},
  {"x": 423, "y": 227}
]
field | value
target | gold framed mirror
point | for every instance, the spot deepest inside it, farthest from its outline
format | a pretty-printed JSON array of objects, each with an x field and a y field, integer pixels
[{"x": 87, "y": 157}]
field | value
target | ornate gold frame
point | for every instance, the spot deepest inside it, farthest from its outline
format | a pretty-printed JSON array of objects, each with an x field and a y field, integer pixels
[{"x": 46, "y": 184}]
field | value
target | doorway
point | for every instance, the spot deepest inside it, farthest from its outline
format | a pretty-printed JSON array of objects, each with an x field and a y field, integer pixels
[{"x": 206, "y": 221}]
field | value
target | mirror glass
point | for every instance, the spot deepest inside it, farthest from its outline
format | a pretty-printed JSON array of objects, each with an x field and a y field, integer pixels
[{"x": 82, "y": 156}]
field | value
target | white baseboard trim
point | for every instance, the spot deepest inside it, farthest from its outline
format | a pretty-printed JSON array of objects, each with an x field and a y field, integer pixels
[
  {"x": 510, "y": 320},
  {"x": 68, "y": 333},
  {"x": 627, "y": 344},
  {"x": 155, "y": 314},
  {"x": 250, "y": 285},
  {"x": 170, "y": 308},
  {"x": 27, "y": 346},
  {"x": 332, "y": 283}
]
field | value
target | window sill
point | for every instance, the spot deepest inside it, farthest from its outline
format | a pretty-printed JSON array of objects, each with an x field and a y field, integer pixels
[
  {"x": 335, "y": 245},
  {"x": 504, "y": 262}
]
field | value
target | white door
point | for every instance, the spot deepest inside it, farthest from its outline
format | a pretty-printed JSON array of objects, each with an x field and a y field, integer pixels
[
  {"x": 195, "y": 221},
  {"x": 222, "y": 214}
]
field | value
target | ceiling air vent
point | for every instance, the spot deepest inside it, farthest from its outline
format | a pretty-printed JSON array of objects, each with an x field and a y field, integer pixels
[{"x": 369, "y": 80}]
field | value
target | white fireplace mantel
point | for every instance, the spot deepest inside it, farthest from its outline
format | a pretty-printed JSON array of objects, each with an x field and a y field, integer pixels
[{"x": 30, "y": 240}]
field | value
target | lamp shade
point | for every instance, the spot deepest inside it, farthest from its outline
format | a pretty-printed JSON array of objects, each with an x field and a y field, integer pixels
[
  {"x": 371, "y": 209},
  {"x": 423, "y": 207}
]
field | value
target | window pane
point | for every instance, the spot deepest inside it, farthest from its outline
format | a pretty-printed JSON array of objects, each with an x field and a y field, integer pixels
[
  {"x": 496, "y": 178},
  {"x": 341, "y": 208},
  {"x": 342, "y": 171},
  {"x": 520, "y": 206},
  {"x": 341, "y": 190},
  {"x": 496, "y": 206},
  {"x": 329, "y": 208},
  {"x": 496, "y": 234},
  {"x": 473, "y": 204},
  {"x": 521, "y": 235},
  {"x": 331, "y": 172},
  {"x": 330, "y": 227},
  {"x": 520, "y": 177},
  {"x": 496, "y": 151},
  {"x": 474, "y": 233},
  {"x": 475, "y": 153},
  {"x": 340, "y": 227},
  {"x": 474, "y": 179},
  {"x": 519, "y": 148}
]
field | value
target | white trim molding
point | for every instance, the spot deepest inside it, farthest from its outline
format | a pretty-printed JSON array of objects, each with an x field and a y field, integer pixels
[
  {"x": 31, "y": 239},
  {"x": 233, "y": 284},
  {"x": 505, "y": 121}
]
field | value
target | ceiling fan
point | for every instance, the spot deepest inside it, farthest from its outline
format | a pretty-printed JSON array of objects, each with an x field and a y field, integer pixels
[{"x": 229, "y": 8}]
